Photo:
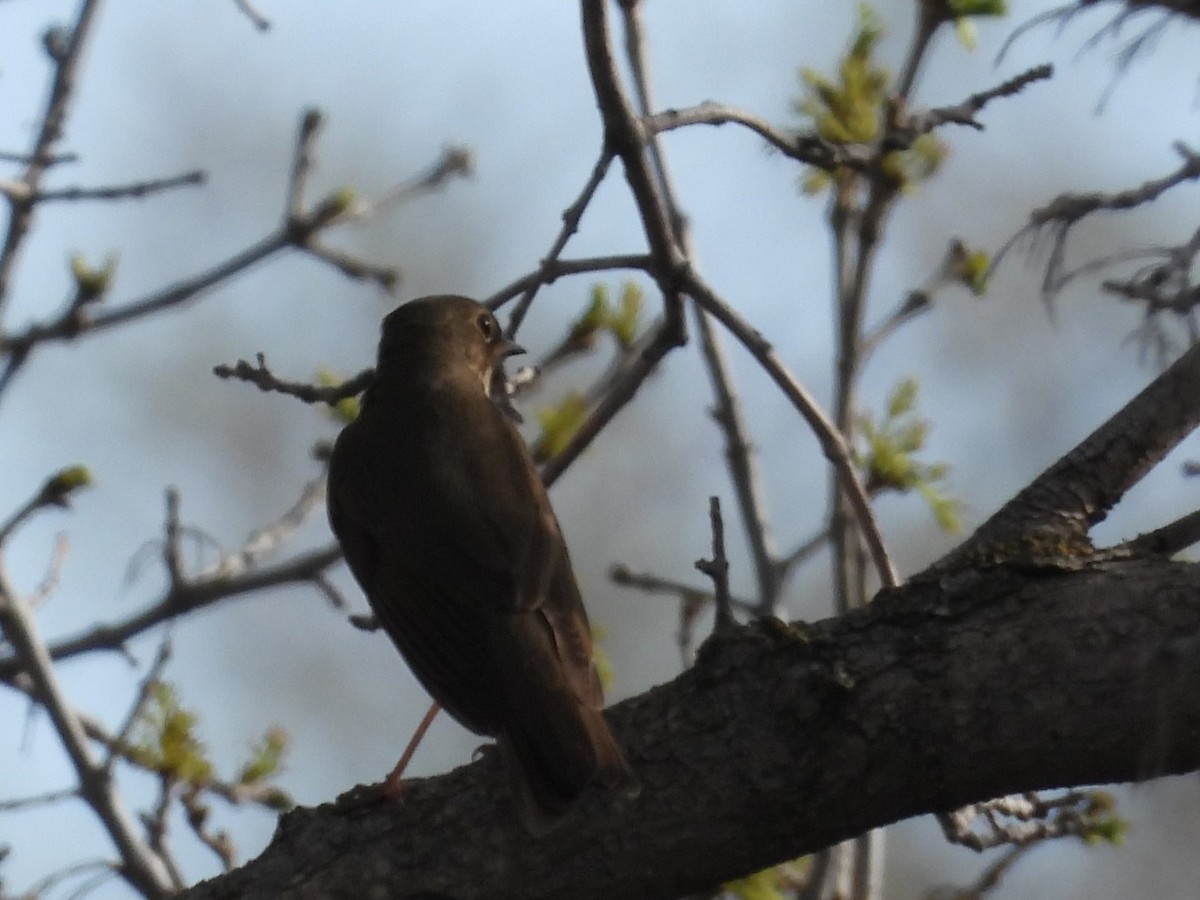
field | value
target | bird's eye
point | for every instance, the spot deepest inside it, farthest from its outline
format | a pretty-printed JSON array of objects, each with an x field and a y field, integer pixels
[{"x": 487, "y": 326}]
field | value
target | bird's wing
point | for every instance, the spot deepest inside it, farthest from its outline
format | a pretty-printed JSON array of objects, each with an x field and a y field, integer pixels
[
  {"x": 477, "y": 538},
  {"x": 419, "y": 591},
  {"x": 530, "y": 542}
]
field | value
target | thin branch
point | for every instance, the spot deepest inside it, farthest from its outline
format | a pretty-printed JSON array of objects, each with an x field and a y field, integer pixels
[
  {"x": 40, "y": 888},
  {"x": 625, "y": 134},
  {"x": 548, "y": 274},
  {"x": 56, "y": 491},
  {"x": 802, "y": 147},
  {"x": 989, "y": 879},
  {"x": 53, "y": 572},
  {"x": 800, "y": 554},
  {"x": 1168, "y": 540},
  {"x": 571, "y": 216},
  {"x": 1052, "y": 516},
  {"x": 387, "y": 277},
  {"x": 156, "y": 826},
  {"x": 220, "y": 843},
  {"x": 39, "y": 799},
  {"x": 50, "y": 130},
  {"x": 140, "y": 866},
  {"x": 265, "y": 380},
  {"x": 831, "y": 441},
  {"x": 717, "y": 569},
  {"x": 1020, "y": 820},
  {"x": 261, "y": 22},
  {"x": 184, "y": 598},
  {"x": 136, "y": 190},
  {"x": 654, "y": 584},
  {"x": 636, "y": 368},
  {"x": 298, "y": 231},
  {"x": 455, "y": 162},
  {"x": 26, "y": 158},
  {"x": 923, "y": 121},
  {"x": 1053, "y": 223},
  {"x": 311, "y": 121},
  {"x": 741, "y": 458},
  {"x": 145, "y": 693}
]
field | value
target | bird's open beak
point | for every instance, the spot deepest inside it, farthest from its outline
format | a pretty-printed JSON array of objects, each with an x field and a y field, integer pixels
[{"x": 510, "y": 348}]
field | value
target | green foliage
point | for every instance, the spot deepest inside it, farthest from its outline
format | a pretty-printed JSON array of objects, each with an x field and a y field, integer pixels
[
  {"x": 978, "y": 7},
  {"x": 852, "y": 109},
  {"x": 92, "y": 283},
  {"x": 888, "y": 459},
  {"x": 769, "y": 884},
  {"x": 266, "y": 757},
  {"x": 623, "y": 321},
  {"x": 559, "y": 424},
  {"x": 62, "y": 485},
  {"x": 584, "y": 330},
  {"x": 1103, "y": 826},
  {"x": 346, "y": 409},
  {"x": 847, "y": 111},
  {"x": 964, "y": 10},
  {"x": 343, "y": 198},
  {"x": 165, "y": 741},
  {"x": 971, "y": 268}
]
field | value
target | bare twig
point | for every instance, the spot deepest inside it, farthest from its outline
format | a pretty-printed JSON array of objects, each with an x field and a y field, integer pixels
[
  {"x": 636, "y": 366},
  {"x": 740, "y": 454},
  {"x": 220, "y": 843},
  {"x": 799, "y": 554},
  {"x": 41, "y": 888},
  {"x": 298, "y": 231},
  {"x": 549, "y": 273},
  {"x": 19, "y": 191},
  {"x": 455, "y": 162},
  {"x": 1053, "y": 222},
  {"x": 989, "y": 879},
  {"x": 1020, "y": 820},
  {"x": 156, "y": 826},
  {"x": 311, "y": 121},
  {"x": 802, "y": 147},
  {"x": 145, "y": 692},
  {"x": 717, "y": 569},
  {"x": 919, "y": 122},
  {"x": 265, "y": 380},
  {"x": 654, "y": 584},
  {"x": 387, "y": 277},
  {"x": 39, "y": 800},
  {"x": 53, "y": 159},
  {"x": 831, "y": 441},
  {"x": 140, "y": 866},
  {"x": 50, "y": 130},
  {"x": 261, "y": 22},
  {"x": 183, "y": 598},
  {"x": 1168, "y": 540},
  {"x": 570, "y": 217}
]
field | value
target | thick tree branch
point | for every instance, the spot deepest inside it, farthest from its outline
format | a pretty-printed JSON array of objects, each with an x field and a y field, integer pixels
[
  {"x": 784, "y": 739},
  {"x": 1052, "y": 516}
]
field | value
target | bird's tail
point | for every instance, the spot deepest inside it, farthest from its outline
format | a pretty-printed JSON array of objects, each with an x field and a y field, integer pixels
[{"x": 555, "y": 752}]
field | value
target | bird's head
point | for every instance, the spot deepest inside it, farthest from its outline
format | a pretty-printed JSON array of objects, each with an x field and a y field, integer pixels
[{"x": 445, "y": 337}]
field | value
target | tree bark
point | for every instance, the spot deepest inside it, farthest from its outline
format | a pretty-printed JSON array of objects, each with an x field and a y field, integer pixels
[{"x": 784, "y": 739}]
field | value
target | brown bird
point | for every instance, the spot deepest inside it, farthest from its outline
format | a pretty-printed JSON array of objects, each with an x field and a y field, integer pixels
[{"x": 446, "y": 526}]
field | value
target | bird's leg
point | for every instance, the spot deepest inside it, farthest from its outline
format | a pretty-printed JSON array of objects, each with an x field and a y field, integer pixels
[{"x": 393, "y": 785}]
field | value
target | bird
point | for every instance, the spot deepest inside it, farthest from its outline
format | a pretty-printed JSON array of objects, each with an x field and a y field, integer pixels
[{"x": 446, "y": 526}]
